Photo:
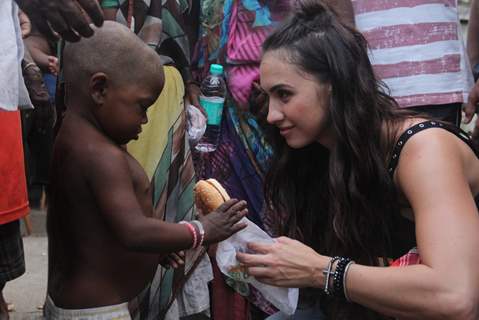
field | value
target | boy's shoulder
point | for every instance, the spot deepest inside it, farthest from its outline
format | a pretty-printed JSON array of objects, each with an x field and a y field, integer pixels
[{"x": 88, "y": 149}]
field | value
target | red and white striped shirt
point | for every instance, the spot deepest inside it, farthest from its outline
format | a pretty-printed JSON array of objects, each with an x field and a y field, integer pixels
[{"x": 416, "y": 49}]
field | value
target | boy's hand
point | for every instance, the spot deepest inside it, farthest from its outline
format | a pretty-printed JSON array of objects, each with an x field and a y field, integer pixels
[
  {"x": 67, "y": 17},
  {"x": 173, "y": 260},
  {"x": 223, "y": 222}
]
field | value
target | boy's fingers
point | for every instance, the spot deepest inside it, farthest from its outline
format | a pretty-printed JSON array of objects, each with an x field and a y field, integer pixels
[
  {"x": 237, "y": 216},
  {"x": 177, "y": 258},
  {"x": 239, "y": 226},
  {"x": 241, "y": 205},
  {"x": 226, "y": 205}
]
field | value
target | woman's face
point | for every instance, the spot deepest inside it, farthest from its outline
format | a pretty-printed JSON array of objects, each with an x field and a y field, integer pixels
[{"x": 298, "y": 103}]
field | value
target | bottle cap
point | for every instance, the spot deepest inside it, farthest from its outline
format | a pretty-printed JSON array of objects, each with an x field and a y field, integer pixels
[{"x": 216, "y": 69}]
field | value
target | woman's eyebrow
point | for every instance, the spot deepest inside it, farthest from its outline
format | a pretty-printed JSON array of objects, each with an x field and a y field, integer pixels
[{"x": 278, "y": 86}]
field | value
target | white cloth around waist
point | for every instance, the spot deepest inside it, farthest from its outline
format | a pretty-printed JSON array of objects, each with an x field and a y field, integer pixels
[{"x": 113, "y": 312}]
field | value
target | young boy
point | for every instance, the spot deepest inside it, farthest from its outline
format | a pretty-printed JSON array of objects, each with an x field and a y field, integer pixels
[{"x": 104, "y": 245}]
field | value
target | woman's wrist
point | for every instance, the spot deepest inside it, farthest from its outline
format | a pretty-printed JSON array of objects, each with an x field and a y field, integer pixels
[{"x": 319, "y": 265}]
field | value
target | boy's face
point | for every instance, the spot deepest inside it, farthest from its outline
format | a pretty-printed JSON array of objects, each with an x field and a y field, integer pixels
[{"x": 124, "y": 109}]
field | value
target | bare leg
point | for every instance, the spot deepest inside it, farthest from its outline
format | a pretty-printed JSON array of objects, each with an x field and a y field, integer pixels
[{"x": 3, "y": 304}]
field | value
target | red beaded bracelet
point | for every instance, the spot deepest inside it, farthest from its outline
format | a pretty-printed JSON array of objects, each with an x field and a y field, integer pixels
[{"x": 193, "y": 233}]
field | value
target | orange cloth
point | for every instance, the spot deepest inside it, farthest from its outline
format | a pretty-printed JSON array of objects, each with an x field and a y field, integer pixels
[{"x": 13, "y": 185}]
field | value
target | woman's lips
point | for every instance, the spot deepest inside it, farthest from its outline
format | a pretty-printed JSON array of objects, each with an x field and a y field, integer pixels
[{"x": 283, "y": 131}]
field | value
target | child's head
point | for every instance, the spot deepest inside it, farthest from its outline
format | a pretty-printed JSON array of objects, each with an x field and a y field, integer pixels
[{"x": 117, "y": 76}]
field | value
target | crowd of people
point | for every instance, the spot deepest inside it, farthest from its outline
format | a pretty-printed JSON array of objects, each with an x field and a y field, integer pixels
[{"x": 340, "y": 137}]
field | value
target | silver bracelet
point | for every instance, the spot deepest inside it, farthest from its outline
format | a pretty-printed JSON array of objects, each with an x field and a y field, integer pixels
[
  {"x": 198, "y": 224},
  {"x": 328, "y": 273},
  {"x": 346, "y": 269},
  {"x": 30, "y": 64}
]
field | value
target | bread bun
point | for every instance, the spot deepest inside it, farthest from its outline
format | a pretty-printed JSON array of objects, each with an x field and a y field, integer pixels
[{"x": 209, "y": 195}]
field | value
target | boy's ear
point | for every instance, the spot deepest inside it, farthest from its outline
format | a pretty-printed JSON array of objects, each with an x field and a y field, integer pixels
[{"x": 98, "y": 87}]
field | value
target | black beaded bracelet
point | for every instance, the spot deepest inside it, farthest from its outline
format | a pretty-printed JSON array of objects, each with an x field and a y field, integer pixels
[{"x": 338, "y": 283}]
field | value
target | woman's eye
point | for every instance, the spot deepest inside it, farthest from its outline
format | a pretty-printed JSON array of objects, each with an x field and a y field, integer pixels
[{"x": 283, "y": 94}]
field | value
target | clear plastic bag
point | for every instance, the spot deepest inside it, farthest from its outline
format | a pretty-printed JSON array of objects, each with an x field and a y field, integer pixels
[
  {"x": 196, "y": 124},
  {"x": 285, "y": 299}
]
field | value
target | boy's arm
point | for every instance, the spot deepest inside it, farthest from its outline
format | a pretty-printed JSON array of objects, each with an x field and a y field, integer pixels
[
  {"x": 344, "y": 9},
  {"x": 112, "y": 186}
]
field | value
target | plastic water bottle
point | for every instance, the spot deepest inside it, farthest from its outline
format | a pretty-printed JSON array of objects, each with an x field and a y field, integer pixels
[{"x": 212, "y": 99}]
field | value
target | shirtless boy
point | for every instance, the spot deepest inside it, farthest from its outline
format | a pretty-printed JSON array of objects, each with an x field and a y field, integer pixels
[{"x": 104, "y": 246}]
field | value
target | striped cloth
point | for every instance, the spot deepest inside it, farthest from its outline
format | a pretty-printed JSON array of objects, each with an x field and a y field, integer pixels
[
  {"x": 410, "y": 258},
  {"x": 416, "y": 49}
]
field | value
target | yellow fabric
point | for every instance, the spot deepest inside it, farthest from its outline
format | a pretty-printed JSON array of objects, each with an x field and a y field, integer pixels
[{"x": 162, "y": 115}]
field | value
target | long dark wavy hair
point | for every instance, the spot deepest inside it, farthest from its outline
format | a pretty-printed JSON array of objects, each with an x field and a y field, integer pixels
[{"x": 339, "y": 201}]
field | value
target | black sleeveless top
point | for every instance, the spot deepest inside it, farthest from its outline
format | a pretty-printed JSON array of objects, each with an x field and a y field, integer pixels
[{"x": 403, "y": 236}]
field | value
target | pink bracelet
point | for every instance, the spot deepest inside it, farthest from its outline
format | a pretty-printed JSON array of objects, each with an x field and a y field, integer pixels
[
  {"x": 193, "y": 233},
  {"x": 201, "y": 230}
]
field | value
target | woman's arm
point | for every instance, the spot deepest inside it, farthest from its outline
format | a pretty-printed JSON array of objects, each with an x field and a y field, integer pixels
[{"x": 431, "y": 174}]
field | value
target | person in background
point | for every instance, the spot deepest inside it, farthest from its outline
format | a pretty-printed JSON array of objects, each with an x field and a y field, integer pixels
[
  {"x": 417, "y": 50},
  {"x": 40, "y": 68},
  {"x": 473, "y": 52},
  {"x": 13, "y": 94}
]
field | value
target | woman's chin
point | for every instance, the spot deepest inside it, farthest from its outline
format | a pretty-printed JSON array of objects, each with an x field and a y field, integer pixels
[{"x": 294, "y": 144}]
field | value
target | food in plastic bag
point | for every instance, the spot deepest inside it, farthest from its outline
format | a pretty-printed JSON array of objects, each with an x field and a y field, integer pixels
[
  {"x": 196, "y": 124},
  {"x": 285, "y": 299}
]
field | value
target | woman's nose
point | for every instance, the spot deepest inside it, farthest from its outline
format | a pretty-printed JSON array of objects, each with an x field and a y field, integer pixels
[{"x": 274, "y": 114}]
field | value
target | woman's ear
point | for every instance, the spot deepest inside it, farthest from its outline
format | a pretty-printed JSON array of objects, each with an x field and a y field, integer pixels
[{"x": 98, "y": 87}]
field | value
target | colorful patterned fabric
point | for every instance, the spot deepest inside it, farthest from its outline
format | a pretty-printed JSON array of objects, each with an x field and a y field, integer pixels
[
  {"x": 231, "y": 33},
  {"x": 161, "y": 24},
  {"x": 416, "y": 49},
  {"x": 163, "y": 151}
]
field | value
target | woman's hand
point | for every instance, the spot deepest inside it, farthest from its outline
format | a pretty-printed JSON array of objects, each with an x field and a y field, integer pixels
[{"x": 285, "y": 263}]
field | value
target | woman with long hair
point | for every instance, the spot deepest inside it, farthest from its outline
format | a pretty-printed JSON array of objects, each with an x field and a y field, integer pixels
[{"x": 357, "y": 182}]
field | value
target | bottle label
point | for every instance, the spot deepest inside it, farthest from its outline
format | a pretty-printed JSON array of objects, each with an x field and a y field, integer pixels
[{"x": 214, "y": 108}]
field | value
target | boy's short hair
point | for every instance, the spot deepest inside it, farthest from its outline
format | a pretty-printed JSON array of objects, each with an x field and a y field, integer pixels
[{"x": 113, "y": 50}]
